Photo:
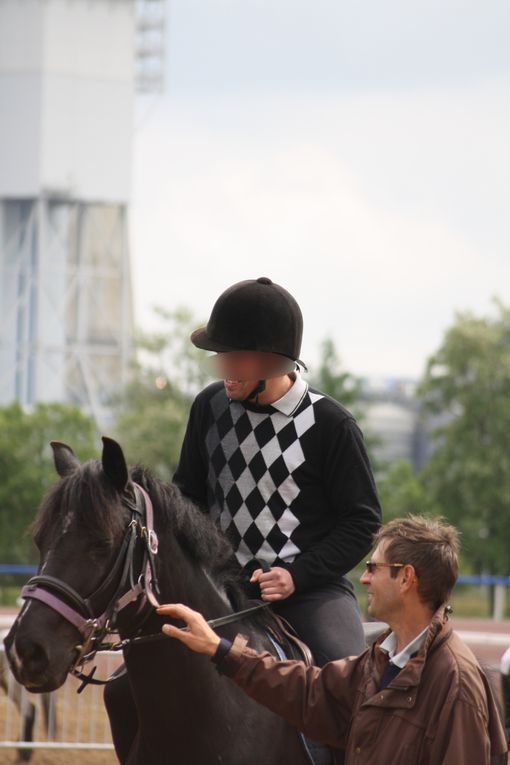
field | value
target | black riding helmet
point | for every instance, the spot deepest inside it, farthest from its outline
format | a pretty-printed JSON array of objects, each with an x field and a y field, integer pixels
[{"x": 255, "y": 315}]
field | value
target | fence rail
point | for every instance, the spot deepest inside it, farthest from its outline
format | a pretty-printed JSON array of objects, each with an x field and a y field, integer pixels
[
  {"x": 499, "y": 583},
  {"x": 17, "y": 568},
  {"x": 73, "y": 721}
]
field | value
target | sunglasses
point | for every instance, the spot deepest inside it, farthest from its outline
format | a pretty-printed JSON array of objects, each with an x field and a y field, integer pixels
[{"x": 371, "y": 565}]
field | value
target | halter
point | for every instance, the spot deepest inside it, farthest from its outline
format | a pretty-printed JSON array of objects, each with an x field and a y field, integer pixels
[{"x": 81, "y": 612}]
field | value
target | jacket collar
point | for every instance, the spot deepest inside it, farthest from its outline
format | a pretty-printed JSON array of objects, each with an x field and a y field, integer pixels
[
  {"x": 439, "y": 630},
  {"x": 400, "y": 659}
]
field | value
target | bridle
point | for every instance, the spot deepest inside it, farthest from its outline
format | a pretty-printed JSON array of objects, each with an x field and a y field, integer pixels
[{"x": 82, "y": 612}]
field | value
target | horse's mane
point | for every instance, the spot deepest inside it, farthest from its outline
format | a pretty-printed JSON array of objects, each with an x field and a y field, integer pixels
[
  {"x": 196, "y": 532},
  {"x": 88, "y": 493}
]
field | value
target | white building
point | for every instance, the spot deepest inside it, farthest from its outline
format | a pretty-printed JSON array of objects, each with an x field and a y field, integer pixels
[{"x": 68, "y": 73}]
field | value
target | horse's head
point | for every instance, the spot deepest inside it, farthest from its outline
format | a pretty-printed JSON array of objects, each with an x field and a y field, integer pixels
[{"x": 80, "y": 529}]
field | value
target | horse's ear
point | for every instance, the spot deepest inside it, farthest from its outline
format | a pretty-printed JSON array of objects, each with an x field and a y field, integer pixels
[
  {"x": 64, "y": 458},
  {"x": 114, "y": 463}
]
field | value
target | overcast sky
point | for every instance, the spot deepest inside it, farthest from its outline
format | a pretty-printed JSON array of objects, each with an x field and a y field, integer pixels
[{"x": 357, "y": 153}]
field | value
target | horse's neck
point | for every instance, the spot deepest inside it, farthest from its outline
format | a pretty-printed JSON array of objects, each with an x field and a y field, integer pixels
[
  {"x": 181, "y": 580},
  {"x": 195, "y": 587}
]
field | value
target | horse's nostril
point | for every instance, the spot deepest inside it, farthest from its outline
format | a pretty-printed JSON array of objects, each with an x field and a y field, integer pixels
[{"x": 33, "y": 656}]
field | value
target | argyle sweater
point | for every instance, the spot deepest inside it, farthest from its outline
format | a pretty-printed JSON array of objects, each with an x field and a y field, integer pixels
[{"x": 290, "y": 483}]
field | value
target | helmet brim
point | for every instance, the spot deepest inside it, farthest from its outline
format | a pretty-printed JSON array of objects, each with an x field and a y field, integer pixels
[{"x": 201, "y": 339}]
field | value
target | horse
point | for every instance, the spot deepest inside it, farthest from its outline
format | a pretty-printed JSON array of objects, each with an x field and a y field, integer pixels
[
  {"x": 184, "y": 710},
  {"x": 26, "y": 707}
]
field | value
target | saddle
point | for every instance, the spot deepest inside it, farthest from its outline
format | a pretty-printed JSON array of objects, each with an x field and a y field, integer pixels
[
  {"x": 281, "y": 632},
  {"x": 288, "y": 645}
]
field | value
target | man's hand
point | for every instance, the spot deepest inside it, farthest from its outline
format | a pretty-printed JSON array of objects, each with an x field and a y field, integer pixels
[
  {"x": 199, "y": 637},
  {"x": 276, "y": 584}
]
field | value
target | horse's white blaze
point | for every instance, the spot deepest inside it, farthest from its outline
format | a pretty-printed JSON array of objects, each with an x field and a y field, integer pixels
[
  {"x": 67, "y": 522},
  {"x": 14, "y": 658}
]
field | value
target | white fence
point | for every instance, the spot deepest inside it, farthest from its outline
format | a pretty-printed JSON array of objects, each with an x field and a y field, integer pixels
[{"x": 75, "y": 721}]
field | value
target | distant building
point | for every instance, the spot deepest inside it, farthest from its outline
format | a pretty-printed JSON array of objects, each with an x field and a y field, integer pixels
[
  {"x": 391, "y": 414},
  {"x": 68, "y": 74}
]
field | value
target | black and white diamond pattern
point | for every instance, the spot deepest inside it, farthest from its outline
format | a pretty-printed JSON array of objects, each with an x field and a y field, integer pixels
[{"x": 252, "y": 460}]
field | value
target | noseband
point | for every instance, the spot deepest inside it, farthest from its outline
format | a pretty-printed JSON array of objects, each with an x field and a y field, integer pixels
[{"x": 82, "y": 612}]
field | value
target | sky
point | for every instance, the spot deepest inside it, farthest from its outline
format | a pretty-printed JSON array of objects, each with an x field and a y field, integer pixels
[{"x": 356, "y": 153}]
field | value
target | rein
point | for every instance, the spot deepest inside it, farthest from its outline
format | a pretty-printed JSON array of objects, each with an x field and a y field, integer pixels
[
  {"x": 221, "y": 621},
  {"x": 80, "y": 611}
]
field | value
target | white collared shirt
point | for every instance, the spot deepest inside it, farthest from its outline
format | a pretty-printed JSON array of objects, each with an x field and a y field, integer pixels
[
  {"x": 400, "y": 659},
  {"x": 291, "y": 400}
]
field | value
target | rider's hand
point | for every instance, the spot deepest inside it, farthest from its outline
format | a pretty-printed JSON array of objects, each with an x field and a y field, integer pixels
[
  {"x": 199, "y": 637},
  {"x": 276, "y": 584}
]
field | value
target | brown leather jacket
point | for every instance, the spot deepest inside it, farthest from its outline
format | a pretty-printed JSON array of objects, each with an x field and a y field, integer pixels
[{"x": 439, "y": 710}]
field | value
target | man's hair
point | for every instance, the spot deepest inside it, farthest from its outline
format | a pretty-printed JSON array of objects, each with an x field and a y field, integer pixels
[{"x": 431, "y": 546}]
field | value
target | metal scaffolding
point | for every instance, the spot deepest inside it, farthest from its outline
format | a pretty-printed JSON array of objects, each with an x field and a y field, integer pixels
[
  {"x": 66, "y": 302},
  {"x": 68, "y": 77}
]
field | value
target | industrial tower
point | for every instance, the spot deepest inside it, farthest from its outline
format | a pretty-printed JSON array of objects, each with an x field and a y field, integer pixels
[{"x": 69, "y": 70}]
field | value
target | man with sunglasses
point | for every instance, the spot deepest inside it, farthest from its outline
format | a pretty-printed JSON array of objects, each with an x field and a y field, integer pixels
[
  {"x": 416, "y": 697},
  {"x": 281, "y": 467}
]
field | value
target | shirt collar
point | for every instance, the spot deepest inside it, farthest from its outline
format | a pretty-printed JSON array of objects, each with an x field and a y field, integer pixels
[
  {"x": 289, "y": 403},
  {"x": 400, "y": 659}
]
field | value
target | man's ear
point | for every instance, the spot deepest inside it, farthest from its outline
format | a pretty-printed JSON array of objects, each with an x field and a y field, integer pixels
[
  {"x": 114, "y": 463},
  {"x": 408, "y": 577}
]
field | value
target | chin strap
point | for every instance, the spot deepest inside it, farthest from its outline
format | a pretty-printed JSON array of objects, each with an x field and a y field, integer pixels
[{"x": 258, "y": 389}]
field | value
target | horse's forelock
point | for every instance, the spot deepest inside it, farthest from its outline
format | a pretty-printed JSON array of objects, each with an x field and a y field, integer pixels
[{"x": 87, "y": 496}]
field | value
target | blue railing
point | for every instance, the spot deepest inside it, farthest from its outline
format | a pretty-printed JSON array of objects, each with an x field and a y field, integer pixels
[
  {"x": 481, "y": 580},
  {"x": 15, "y": 568},
  {"x": 484, "y": 579}
]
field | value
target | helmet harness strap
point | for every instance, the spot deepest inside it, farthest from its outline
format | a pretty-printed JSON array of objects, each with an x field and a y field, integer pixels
[{"x": 258, "y": 389}]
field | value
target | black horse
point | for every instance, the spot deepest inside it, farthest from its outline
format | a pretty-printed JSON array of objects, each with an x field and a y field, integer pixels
[{"x": 185, "y": 712}]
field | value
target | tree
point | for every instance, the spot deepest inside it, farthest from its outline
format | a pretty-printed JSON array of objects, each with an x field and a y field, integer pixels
[
  {"x": 26, "y": 465},
  {"x": 335, "y": 381},
  {"x": 402, "y": 492},
  {"x": 152, "y": 411},
  {"x": 467, "y": 386}
]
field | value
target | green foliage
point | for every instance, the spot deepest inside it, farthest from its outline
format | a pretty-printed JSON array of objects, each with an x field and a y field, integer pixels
[
  {"x": 402, "y": 492},
  {"x": 170, "y": 354},
  {"x": 151, "y": 422},
  {"x": 26, "y": 465},
  {"x": 152, "y": 412},
  {"x": 335, "y": 381},
  {"x": 467, "y": 478}
]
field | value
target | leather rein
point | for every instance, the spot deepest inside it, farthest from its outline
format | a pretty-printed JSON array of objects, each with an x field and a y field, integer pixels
[{"x": 81, "y": 612}]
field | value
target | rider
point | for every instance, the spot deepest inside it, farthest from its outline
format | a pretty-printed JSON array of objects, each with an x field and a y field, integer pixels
[
  {"x": 284, "y": 471},
  {"x": 281, "y": 467}
]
